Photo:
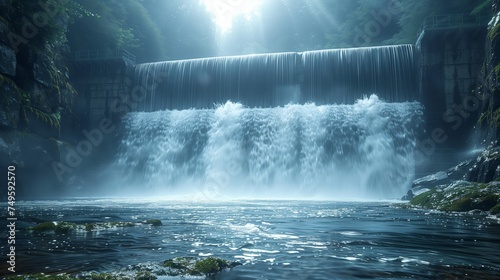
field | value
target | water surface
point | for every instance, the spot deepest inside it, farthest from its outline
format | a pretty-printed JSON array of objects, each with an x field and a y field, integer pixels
[{"x": 273, "y": 239}]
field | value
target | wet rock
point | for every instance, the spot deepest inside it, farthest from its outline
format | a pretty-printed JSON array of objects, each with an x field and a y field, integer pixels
[
  {"x": 9, "y": 105},
  {"x": 10, "y": 149},
  {"x": 486, "y": 167},
  {"x": 461, "y": 196},
  {"x": 441, "y": 178},
  {"x": 7, "y": 60},
  {"x": 154, "y": 222},
  {"x": 41, "y": 72},
  {"x": 193, "y": 266}
]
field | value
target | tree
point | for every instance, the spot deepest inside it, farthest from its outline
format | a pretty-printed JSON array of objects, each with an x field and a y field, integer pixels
[{"x": 117, "y": 24}]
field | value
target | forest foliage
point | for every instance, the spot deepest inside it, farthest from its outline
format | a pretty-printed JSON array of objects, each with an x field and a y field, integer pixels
[{"x": 176, "y": 29}]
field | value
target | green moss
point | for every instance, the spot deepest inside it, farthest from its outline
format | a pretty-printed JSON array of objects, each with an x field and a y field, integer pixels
[
  {"x": 494, "y": 32},
  {"x": 45, "y": 226},
  {"x": 145, "y": 275},
  {"x": 191, "y": 266},
  {"x": 52, "y": 119},
  {"x": 427, "y": 199},
  {"x": 154, "y": 222},
  {"x": 464, "y": 204},
  {"x": 65, "y": 227},
  {"x": 210, "y": 265},
  {"x": 461, "y": 197},
  {"x": 496, "y": 209}
]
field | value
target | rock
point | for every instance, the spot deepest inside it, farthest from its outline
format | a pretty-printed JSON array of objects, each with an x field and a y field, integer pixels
[
  {"x": 10, "y": 149},
  {"x": 441, "y": 178},
  {"x": 41, "y": 72},
  {"x": 486, "y": 166},
  {"x": 41, "y": 98},
  {"x": 37, "y": 176},
  {"x": 4, "y": 31},
  {"x": 461, "y": 196},
  {"x": 193, "y": 266},
  {"x": 7, "y": 61},
  {"x": 9, "y": 105},
  {"x": 154, "y": 222}
]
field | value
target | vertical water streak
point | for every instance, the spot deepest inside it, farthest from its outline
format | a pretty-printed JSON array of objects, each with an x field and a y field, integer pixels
[{"x": 338, "y": 76}]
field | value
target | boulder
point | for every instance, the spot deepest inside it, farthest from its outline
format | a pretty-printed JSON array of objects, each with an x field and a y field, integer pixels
[{"x": 441, "y": 178}]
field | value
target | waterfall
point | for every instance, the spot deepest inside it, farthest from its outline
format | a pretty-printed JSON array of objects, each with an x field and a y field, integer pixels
[
  {"x": 337, "y": 76},
  {"x": 366, "y": 150}
]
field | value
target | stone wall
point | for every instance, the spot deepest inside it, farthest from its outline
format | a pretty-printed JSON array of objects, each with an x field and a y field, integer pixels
[
  {"x": 102, "y": 85},
  {"x": 449, "y": 64}
]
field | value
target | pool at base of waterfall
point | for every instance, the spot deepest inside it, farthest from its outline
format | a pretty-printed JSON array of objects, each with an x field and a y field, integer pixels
[{"x": 272, "y": 239}]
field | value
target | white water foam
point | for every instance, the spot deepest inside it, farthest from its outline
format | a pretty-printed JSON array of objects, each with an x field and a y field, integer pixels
[{"x": 365, "y": 150}]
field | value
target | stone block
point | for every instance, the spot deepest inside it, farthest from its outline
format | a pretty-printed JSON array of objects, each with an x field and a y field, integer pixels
[
  {"x": 449, "y": 72},
  {"x": 97, "y": 103},
  {"x": 463, "y": 71}
]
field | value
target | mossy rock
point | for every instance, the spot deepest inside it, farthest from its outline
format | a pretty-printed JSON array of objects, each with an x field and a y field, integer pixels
[
  {"x": 210, "y": 265},
  {"x": 194, "y": 267},
  {"x": 428, "y": 199},
  {"x": 154, "y": 222},
  {"x": 65, "y": 227},
  {"x": 495, "y": 210},
  {"x": 461, "y": 197},
  {"x": 145, "y": 275},
  {"x": 45, "y": 226}
]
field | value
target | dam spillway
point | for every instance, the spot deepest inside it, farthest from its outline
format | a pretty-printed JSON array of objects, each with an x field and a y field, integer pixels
[{"x": 337, "y": 76}]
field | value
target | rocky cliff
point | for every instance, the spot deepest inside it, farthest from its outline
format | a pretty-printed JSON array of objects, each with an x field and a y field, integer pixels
[{"x": 35, "y": 93}]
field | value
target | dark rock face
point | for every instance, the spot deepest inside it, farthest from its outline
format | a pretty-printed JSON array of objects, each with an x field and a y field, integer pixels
[
  {"x": 34, "y": 92},
  {"x": 10, "y": 149},
  {"x": 486, "y": 168},
  {"x": 7, "y": 60},
  {"x": 9, "y": 105}
]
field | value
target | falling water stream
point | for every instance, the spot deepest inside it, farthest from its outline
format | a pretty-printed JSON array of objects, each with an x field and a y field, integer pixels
[
  {"x": 337, "y": 76},
  {"x": 364, "y": 150}
]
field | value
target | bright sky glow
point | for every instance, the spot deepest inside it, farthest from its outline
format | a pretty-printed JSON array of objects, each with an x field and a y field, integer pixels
[{"x": 225, "y": 11}]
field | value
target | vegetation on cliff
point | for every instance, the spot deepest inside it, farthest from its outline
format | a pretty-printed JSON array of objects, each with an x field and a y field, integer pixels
[
  {"x": 461, "y": 196},
  {"x": 489, "y": 88}
]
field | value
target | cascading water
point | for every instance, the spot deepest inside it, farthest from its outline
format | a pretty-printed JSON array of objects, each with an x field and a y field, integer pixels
[
  {"x": 365, "y": 150},
  {"x": 338, "y": 76}
]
